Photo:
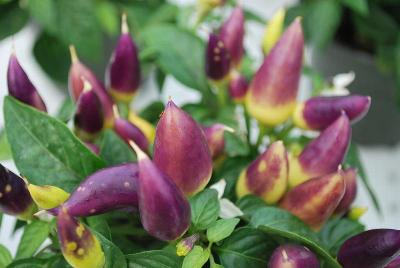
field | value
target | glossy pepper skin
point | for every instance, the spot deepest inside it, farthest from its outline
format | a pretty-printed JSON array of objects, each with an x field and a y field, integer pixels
[
  {"x": 315, "y": 200},
  {"x": 79, "y": 246},
  {"x": 14, "y": 196},
  {"x": 323, "y": 155},
  {"x": 88, "y": 119},
  {"x": 232, "y": 34},
  {"x": 271, "y": 97},
  {"x": 164, "y": 210},
  {"x": 319, "y": 112},
  {"x": 267, "y": 176},
  {"x": 181, "y": 150},
  {"x": 370, "y": 249},
  {"x": 350, "y": 179},
  {"x": 76, "y": 86},
  {"x": 217, "y": 59},
  {"x": 105, "y": 190},
  {"x": 293, "y": 256},
  {"x": 21, "y": 87},
  {"x": 237, "y": 87},
  {"x": 123, "y": 72}
]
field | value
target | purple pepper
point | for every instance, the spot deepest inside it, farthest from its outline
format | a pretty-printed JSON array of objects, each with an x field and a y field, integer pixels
[
  {"x": 323, "y": 155},
  {"x": 370, "y": 249},
  {"x": 215, "y": 138},
  {"x": 272, "y": 93},
  {"x": 129, "y": 132},
  {"x": 76, "y": 86},
  {"x": 319, "y": 112},
  {"x": 123, "y": 72},
  {"x": 293, "y": 256},
  {"x": 14, "y": 196},
  {"x": 217, "y": 59},
  {"x": 107, "y": 189},
  {"x": 350, "y": 179},
  {"x": 164, "y": 210},
  {"x": 394, "y": 263},
  {"x": 181, "y": 150},
  {"x": 232, "y": 34},
  {"x": 238, "y": 86},
  {"x": 88, "y": 119},
  {"x": 20, "y": 87}
]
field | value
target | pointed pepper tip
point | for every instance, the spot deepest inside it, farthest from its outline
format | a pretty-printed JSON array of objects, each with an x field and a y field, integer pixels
[
  {"x": 74, "y": 55},
  {"x": 124, "y": 23},
  {"x": 140, "y": 154}
]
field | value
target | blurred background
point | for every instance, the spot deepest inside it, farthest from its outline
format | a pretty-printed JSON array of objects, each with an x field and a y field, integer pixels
[{"x": 343, "y": 36}]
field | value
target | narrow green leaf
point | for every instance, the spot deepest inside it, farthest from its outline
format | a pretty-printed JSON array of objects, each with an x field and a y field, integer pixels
[
  {"x": 108, "y": 17},
  {"x": 5, "y": 151},
  {"x": 184, "y": 59},
  {"x": 12, "y": 19},
  {"x": 114, "y": 150},
  {"x": 67, "y": 110},
  {"x": 154, "y": 259},
  {"x": 196, "y": 258},
  {"x": 205, "y": 209},
  {"x": 246, "y": 247},
  {"x": 152, "y": 112},
  {"x": 353, "y": 160},
  {"x": 113, "y": 255},
  {"x": 33, "y": 237},
  {"x": 44, "y": 149},
  {"x": 221, "y": 229},
  {"x": 5, "y": 256},
  {"x": 282, "y": 224}
]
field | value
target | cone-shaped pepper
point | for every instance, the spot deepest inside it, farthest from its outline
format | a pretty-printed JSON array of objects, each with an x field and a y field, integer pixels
[
  {"x": 267, "y": 176},
  {"x": 273, "y": 30},
  {"x": 76, "y": 85},
  {"x": 394, "y": 264},
  {"x": 14, "y": 196},
  {"x": 215, "y": 138},
  {"x": 164, "y": 210},
  {"x": 129, "y": 132},
  {"x": 323, "y": 155},
  {"x": 47, "y": 196},
  {"x": 181, "y": 150},
  {"x": 146, "y": 127},
  {"x": 237, "y": 87},
  {"x": 272, "y": 93},
  {"x": 186, "y": 245},
  {"x": 370, "y": 249},
  {"x": 293, "y": 256},
  {"x": 232, "y": 34},
  {"x": 80, "y": 247},
  {"x": 350, "y": 179},
  {"x": 319, "y": 112},
  {"x": 20, "y": 87},
  {"x": 93, "y": 147},
  {"x": 88, "y": 119},
  {"x": 217, "y": 59},
  {"x": 315, "y": 200},
  {"x": 123, "y": 72},
  {"x": 105, "y": 190}
]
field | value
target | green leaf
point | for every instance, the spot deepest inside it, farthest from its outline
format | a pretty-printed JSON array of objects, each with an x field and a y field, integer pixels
[
  {"x": 28, "y": 263},
  {"x": 100, "y": 225},
  {"x": 5, "y": 256},
  {"x": 114, "y": 150},
  {"x": 198, "y": 111},
  {"x": 250, "y": 15},
  {"x": 165, "y": 13},
  {"x": 44, "y": 149},
  {"x": 67, "y": 110},
  {"x": 221, "y": 229},
  {"x": 184, "y": 59},
  {"x": 44, "y": 12},
  {"x": 113, "y": 255},
  {"x": 250, "y": 203},
  {"x": 338, "y": 230},
  {"x": 205, "y": 209},
  {"x": 108, "y": 17},
  {"x": 12, "y": 19},
  {"x": 353, "y": 160},
  {"x": 283, "y": 225},
  {"x": 326, "y": 14},
  {"x": 154, "y": 259},
  {"x": 196, "y": 258},
  {"x": 359, "y": 6},
  {"x": 77, "y": 25},
  {"x": 33, "y": 237},
  {"x": 236, "y": 145},
  {"x": 5, "y": 151},
  {"x": 246, "y": 247},
  {"x": 152, "y": 112},
  {"x": 52, "y": 56}
]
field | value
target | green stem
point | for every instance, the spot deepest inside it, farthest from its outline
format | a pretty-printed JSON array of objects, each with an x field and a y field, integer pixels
[
  {"x": 247, "y": 120},
  {"x": 263, "y": 130}
]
